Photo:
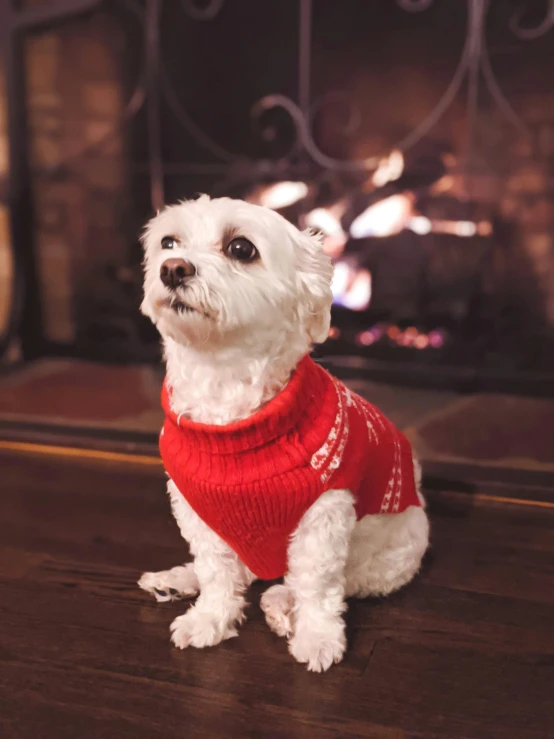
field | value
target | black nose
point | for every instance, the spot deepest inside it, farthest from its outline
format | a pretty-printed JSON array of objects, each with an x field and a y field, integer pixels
[{"x": 175, "y": 272}]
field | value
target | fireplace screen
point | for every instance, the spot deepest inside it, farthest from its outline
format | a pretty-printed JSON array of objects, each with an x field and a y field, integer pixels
[{"x": 416, "y": 135}]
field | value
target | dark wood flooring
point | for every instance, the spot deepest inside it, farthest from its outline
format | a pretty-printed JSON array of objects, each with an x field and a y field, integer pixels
[{"x": 465, "y": 651}]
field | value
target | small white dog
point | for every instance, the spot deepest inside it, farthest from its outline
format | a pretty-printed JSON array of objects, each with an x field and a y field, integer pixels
[{"x": 239, "y": 295}]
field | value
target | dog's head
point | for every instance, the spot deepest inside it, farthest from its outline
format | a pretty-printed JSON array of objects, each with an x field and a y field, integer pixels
[{"x": 225, "y": 271}]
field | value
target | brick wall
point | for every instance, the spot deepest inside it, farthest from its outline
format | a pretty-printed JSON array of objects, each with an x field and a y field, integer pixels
[
  {"x": 527, "y": 198},
  {"x": 75, "y": 100},
  {"x": 5, "y": 252}
]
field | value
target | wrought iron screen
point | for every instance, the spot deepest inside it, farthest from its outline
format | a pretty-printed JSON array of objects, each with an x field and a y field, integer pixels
[{"x": 417, "y": 135}]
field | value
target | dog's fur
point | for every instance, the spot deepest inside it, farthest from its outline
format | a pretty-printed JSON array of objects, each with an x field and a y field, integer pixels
[{"x": 249, "y": 326}]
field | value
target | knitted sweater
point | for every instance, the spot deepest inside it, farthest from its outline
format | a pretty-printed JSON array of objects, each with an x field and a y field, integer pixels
[{"x": 252, "y": 481}]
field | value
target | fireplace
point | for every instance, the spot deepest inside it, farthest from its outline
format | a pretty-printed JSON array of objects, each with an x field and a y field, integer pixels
[{"x": 417, "y": 136}]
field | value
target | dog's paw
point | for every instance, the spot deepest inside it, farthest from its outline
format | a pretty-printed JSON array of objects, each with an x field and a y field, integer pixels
[
  {"x": 318, "y": 650},
  {"x": 199, "y": 629},
  {"x": 277, "y": 603},
  {"x": 179, "y": 582}
]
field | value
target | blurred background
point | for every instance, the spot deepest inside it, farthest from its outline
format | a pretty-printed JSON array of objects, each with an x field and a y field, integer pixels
[{"x": 416, "y": 135}]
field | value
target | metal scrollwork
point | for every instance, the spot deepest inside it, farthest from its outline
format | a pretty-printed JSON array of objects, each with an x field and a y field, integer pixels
[
  {"x": 206, "y": 11},
  {"x": 188, "y": 123},
  {"x": 474, "y": 61},
  {"x": 304, "y": 136},
  {"x": 261, "y": 116},
  {"x": 414, "y": 6},
  {"x": 154, "y": 82},
  {"x": 528, "y": 34},
  {"x": 352, "y": 120}
]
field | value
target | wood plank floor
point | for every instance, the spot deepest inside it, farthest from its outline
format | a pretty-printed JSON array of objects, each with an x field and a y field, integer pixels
[{"x": 465, "y": 651}]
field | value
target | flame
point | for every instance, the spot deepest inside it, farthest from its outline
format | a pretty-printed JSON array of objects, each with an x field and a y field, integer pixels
[
  {"x": 385, "y": 218},
  {"x": 325, "y": 220},
  {"x": 281, "y": 194},
  {"x": 484, "y": 228},
  {"x": 351, "y": 287},
  {"x": 465, "y": 228},
  {"x": 445, "y": 183},
  {"x": 390, "y": 168},
  {"x": 420, "y": 225},
  {"x": 328, "y": 221},
  {"x": 423, "y": 225},
  {"x": 339, "y": 284}
]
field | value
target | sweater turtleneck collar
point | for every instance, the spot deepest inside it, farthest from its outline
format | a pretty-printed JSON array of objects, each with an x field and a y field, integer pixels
[{"x": 302, "y": 398}]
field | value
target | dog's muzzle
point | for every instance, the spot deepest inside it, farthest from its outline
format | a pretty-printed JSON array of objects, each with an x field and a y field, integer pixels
[{"x": 174, "y": 273}]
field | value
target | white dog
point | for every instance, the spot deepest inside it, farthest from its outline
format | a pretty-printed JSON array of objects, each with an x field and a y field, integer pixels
[{"x": 239, "y": 295}]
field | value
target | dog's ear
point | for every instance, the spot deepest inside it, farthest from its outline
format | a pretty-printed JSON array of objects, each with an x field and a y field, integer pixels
[{"x": 314, "y": 274}]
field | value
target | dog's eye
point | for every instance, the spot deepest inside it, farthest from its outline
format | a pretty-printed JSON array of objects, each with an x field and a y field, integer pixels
[
  {"x": 168, "y": 242},
  {"x": 242, "y": 250}
]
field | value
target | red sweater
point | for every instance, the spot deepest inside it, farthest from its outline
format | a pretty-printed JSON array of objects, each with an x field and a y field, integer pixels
[{"x": 253, "y": 480}]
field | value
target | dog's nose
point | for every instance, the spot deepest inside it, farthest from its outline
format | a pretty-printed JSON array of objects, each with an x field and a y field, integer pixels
[{"x": 175, "y": 272}]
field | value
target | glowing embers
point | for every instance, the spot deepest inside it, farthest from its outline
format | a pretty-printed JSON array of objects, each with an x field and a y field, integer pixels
[
  {"x": 373, "y": 334},
  {"x": 409, "y": 337}
]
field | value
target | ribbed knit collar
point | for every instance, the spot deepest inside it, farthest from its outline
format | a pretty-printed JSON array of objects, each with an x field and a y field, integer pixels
[{"x": 300, "y": 397}]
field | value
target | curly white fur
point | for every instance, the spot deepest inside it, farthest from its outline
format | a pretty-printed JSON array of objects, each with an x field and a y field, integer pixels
[
  {"x": 247, "y": 328},
  {"x": 251, "y": 323}
]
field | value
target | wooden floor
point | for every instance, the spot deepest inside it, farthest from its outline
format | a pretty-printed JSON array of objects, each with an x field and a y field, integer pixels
[{"x": 465, "y": 651}]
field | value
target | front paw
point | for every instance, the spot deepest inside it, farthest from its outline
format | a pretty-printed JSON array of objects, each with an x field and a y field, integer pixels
[
  {"x": 199, "y": 629},
  {"x": 319, "y": 649},
  {"x": 179, "y": 582},
  {"x": 277, "y": 603}
]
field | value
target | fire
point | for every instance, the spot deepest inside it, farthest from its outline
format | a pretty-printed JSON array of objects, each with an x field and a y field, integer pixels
[
  {"x": 385, "y": 218},
  {"x": 392, "y": 215},
  {"x": 390, "y": 168},
  {"x": 445, "y": 183},
  {"x": 328, "y": 221},
  {"x": 466, "y": 229},
  {"x": 351, "y": 287},
  {"x": 420, "y": 225},
  {"x": 325, "y": 220},
  {"x": 280, "y": 194}
]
